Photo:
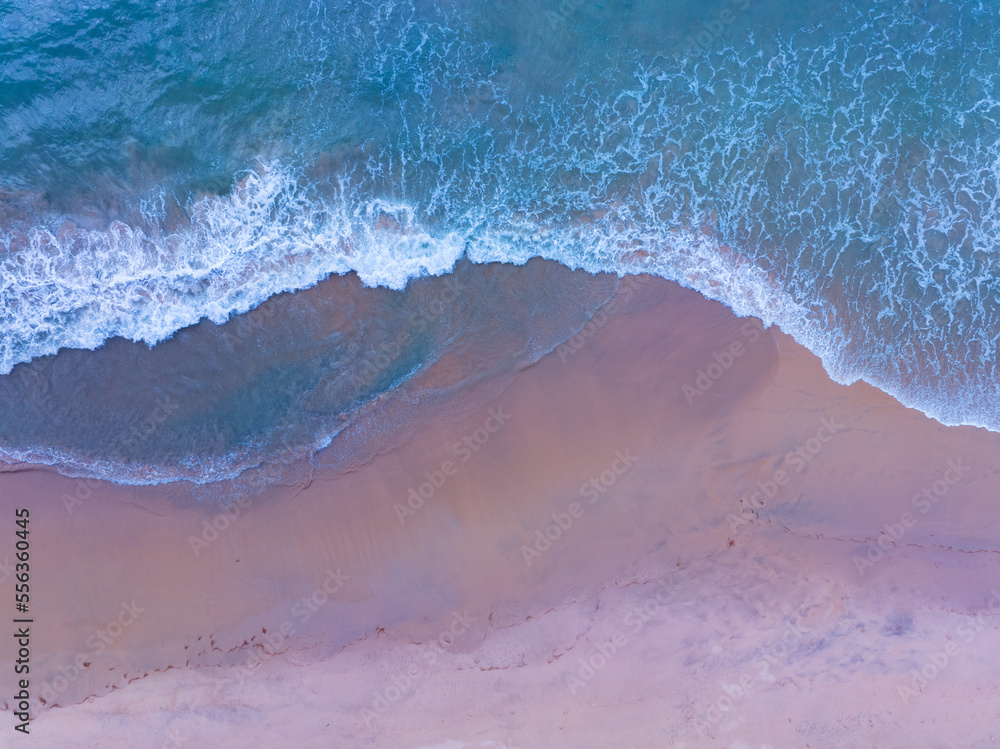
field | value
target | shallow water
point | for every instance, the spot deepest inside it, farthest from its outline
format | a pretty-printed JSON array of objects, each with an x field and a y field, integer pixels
[{"x": 281, "y": 382}]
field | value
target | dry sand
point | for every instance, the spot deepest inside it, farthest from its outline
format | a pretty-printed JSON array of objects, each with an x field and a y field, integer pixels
[{"x": 677, "y": 609}]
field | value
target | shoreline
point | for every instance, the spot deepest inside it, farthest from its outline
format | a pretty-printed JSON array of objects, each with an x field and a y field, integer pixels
[
  {"x": 716, "y": 560},
  {"x": 255, "y": 397}
]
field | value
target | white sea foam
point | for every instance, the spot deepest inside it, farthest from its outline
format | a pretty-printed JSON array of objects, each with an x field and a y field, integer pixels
[
  {"x": 271, "y": 235},
  {"x": 72, "y": 288}
]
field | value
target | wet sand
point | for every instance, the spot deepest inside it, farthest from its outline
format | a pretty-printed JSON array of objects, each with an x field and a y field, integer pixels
[{"x": 674, "y": 530}]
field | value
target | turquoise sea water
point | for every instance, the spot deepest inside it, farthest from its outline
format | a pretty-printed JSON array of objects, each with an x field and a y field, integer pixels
[{"x": 831, "y": 168}]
